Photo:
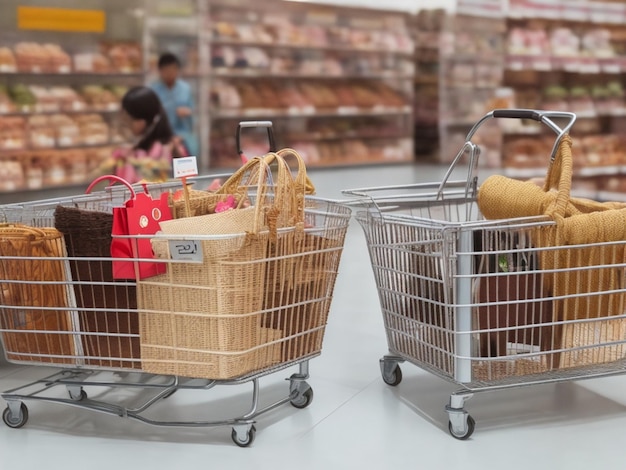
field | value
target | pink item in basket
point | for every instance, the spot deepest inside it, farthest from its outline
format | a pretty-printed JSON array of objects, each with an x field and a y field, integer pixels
[{"x": 229, "y": 204}]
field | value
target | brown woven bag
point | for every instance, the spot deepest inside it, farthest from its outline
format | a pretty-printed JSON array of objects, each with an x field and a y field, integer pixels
[{"x": 36, "y": 311}]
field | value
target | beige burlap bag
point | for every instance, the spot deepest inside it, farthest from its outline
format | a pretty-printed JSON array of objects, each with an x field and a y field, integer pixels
[
  {"x": 206, "y": 319},
  {"x": 586, "y": 246}
]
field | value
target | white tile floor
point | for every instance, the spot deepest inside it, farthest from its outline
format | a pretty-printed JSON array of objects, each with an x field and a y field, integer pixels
[{"x": 355, "y": 419}]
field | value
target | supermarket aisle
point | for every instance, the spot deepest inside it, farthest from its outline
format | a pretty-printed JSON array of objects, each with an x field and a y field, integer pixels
[{"x": 355, "y": 419}]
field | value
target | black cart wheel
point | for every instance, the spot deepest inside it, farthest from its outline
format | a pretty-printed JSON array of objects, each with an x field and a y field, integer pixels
[
  {"x": 303, "y": 400},
  {"x": 15, "y": 421},
  {"x": 394, "y": 378},
  {"x": 247, "y": 441},
  {"x": 471, "y": 424}
]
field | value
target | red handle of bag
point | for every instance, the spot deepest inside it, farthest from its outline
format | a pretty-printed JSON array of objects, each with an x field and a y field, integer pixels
[{"x": 114, "y": 179}]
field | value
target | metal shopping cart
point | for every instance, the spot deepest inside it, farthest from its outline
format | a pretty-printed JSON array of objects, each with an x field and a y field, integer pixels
[
  {"x": 495, "y": 304},
  {"x": 60, "y": 307}
]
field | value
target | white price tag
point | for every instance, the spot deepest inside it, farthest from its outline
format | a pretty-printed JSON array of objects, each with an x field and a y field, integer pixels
[
  {"x": 186, "y": 250},
  {"x": 184, "y": 167}
]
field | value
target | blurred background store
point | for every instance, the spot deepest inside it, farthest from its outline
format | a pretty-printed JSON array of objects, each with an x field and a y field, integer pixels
[
  {"x": 345, "y": 83},
  {"x": 369, "y": 97}
]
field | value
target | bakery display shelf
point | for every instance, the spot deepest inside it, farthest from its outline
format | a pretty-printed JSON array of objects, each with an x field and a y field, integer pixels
[
  {"x": 61, "y": 188},
  {"x": 8, "y": 152},
  {"x": 586, "y": 172},
  {"x": 310, "y": 112},
  {"x": 597, "y": 13},
  {"x": 580, "y": 65},
  {"x": 256, "y": 73},
  {"x": 348, "y": 162},
  {"x": 344, "y": 163},
  {"x": 173, "y": 25},
  {"x": 107, "y": 75},
  {"x": 473, "y": 58},
  {"x": 316, "y": 137},
  {"x": 311, "y": 47},
  {"x": 530, "y": 130},
  {"x": 71, "y": 112}
]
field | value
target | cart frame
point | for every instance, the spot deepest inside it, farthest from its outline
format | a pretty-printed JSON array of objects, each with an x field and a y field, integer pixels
[
  {"x": 77, "y": 378},
  {"x": 435, "y": 224}
]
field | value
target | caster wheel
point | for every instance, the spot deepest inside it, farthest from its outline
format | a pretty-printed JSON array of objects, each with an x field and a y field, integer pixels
[
  {"x": 13, "y": 421},
  {"x": 471, "y": 424},
  {"x": 394, "y": 378},
  {"x": 247, "y": 441},
  {"x": 78, "y": 397},
  {"x": 303, "y": 400}
]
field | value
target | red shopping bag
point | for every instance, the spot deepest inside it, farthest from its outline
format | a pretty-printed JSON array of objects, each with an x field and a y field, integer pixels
[{"x": 140, "y": 215}]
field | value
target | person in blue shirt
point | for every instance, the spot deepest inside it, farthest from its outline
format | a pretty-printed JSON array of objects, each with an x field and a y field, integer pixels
[{"x": 177, "y": 100}]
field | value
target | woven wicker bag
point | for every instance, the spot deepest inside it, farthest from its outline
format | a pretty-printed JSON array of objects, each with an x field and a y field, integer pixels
[
  {"x": 584, "y": 275},
  {"x": 41, "y": 304},
  {"x": 204, "y": 320},
  {"x": 88, "y": 235}
]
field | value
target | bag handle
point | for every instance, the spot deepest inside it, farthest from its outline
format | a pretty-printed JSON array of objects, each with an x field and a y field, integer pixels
[
  {"x": 559, "y": 177},
  {"x": 9, "y": 230},
  {"x": 302, "y": 178},
  {"x": 115, "y": 179},
  {"x": 258, "y": 169}
]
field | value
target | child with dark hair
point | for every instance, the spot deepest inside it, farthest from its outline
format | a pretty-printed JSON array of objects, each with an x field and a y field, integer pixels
[{"x": 149, "y": 157}]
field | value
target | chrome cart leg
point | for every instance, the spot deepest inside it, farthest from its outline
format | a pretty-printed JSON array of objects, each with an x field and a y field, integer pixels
[
  {"x": 300, "y": 392},
  {"x": 76, "y": 392},
  {"x": 15, "y": 415},
  {"x": 460, "y": 423},
  {"x": 390, "y": 370},
  {"x": 244, "y": 432}
]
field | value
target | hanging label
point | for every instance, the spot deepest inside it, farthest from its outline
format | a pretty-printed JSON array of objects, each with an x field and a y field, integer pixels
[
  {"x": 185, "y": 167},
  {"x": 186, "y": 250}
]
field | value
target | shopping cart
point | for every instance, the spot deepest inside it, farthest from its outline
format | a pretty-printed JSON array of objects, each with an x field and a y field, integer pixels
[
  {"x": 60, "y": 307},
  {"x": 492, "y": 304}
]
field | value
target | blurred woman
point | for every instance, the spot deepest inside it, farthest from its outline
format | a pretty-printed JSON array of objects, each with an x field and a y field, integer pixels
[{"x": 149, "y": 157}]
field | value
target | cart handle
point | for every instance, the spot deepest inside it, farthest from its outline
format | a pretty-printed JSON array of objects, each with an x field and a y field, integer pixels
[
  {"x": 250, "y": 124},
  {"x": 114, "y": 179},
  {"x": 545, "y": 117}
]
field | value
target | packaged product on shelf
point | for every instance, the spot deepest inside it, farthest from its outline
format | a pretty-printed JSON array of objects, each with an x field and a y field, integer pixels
[
  {"x": 597, "y": 43},
  {"x": 125, "y": 57},
  {"x": 92, "y": 62},
  {"x": 39, "y": 58},
  {"x": 67, "y": 98},
  {"x": 93, "y": 130},
  {"x": 100, "y": 98},
  {"x": 555, "y": 98},
  {"x": 13, "y": 135},
  {"x": 33, "y": 171},
  {"x": 564, "y": 43},
  {"x": 225, "y": 95},
  {"x": 11, "y": 175},
  {"x": 6, "y": 105},
  {"x": 55, "y": 169},
  {"x": 580, "y": 100},
  {"x": 67, "y": 131},
  {"x": 41, "y": 132},
  {"x": 46, "y": 101},
  {"x": 8, "y": 64},
  {"x": 60, "y": 61},
  {"x": 23, "y": 98},
  {"x": 76, "y": 166}
]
